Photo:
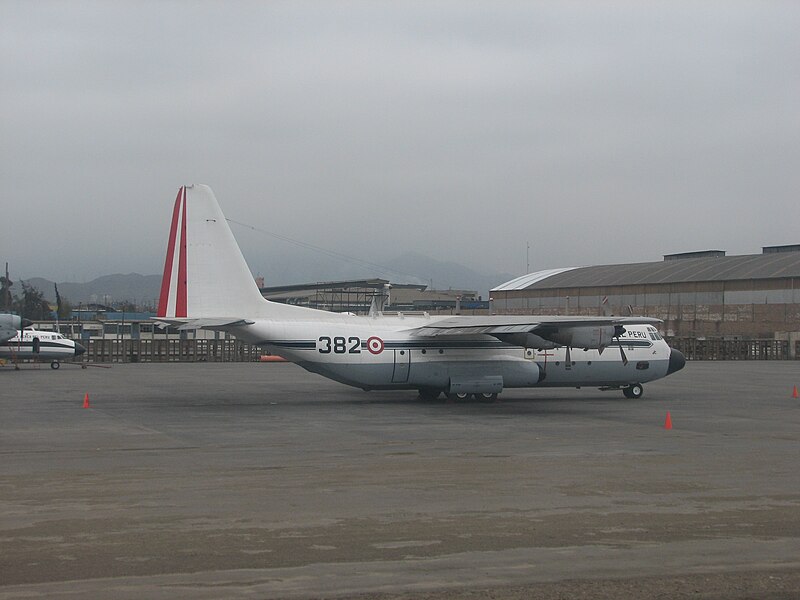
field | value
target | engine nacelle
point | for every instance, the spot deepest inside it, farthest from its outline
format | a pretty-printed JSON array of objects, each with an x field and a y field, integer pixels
[
  {"x": 597, "y": 337},
  {"x": 528, "y": 340}
]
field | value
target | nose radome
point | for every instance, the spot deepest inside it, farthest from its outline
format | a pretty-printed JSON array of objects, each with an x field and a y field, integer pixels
[
  {"x": 80, "y": 350},
  {"x": 676, "y": 361}
]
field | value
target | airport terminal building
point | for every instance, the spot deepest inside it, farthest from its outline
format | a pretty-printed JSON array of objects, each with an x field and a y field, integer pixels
[{"x": 701, "y": 295}]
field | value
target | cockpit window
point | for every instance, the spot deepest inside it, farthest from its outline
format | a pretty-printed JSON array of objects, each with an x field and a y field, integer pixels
[{"x": 654, "y": 335}]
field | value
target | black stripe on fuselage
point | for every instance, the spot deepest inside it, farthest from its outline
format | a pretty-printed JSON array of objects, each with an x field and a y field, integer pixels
[
  {"x": 466, "y": 344},
  {"x": 634, "y": 344},
  {"x": 42, "y": 345},
  {"x": 429, "y": 344},
  {"x": 404, "y": 344},
  {"x": 294, "y": 344}
]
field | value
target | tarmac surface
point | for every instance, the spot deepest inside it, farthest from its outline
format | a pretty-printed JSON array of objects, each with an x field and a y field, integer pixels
[{"x": 245, "y": 480}]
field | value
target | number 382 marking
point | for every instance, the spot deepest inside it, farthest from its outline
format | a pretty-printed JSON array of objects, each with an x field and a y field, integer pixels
[{"x": 339, "y": 345}]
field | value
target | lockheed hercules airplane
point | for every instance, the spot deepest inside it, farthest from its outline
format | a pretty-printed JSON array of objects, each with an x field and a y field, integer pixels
[
  {"x": 207, "y": 284},
  {"x": 47, "y": 345}
]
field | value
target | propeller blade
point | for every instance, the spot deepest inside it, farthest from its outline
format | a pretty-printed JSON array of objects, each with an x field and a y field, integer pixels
[
  {"x": 569, "y": 360},
  {"x": 618, "y": 331},
  {"x": 622, "y": 352}
]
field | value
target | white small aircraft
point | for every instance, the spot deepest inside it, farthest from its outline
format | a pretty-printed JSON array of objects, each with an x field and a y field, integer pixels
[
  {"x": 207, "y": 284},
  {"x": 47, "y": 345}
]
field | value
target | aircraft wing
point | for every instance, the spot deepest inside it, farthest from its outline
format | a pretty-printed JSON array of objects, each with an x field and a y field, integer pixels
[
  {"x": 510, "y": 324},
  {"x": 219, "y": 323}
]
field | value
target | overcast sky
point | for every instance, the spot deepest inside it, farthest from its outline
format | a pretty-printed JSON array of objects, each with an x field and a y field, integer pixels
[{"x": 600, "y": 132}]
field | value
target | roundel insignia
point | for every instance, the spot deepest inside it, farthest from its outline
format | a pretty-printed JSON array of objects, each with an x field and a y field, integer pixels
[{"x": 375, "y": 345}]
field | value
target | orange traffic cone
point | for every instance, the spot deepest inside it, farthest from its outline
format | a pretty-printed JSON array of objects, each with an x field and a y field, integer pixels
[
  {"x": 86, "y": 400},
  {"x": 794, "y": 392},
  {"x": 668, "y": 422}
]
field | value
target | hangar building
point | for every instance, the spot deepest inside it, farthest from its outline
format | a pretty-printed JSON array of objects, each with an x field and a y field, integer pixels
[
  {"x": 697, "y": 294},
  {"x": 356, "y": 296}
]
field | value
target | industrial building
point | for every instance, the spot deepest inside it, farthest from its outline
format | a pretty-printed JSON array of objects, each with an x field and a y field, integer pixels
[
  {"x": 358, "y": 296},
  {"x": 700, "y": 295}
]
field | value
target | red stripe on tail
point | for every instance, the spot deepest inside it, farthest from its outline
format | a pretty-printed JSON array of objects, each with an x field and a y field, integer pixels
[
  {"x": 180, "y": 305},
  {"x": 165, "y": 279}
]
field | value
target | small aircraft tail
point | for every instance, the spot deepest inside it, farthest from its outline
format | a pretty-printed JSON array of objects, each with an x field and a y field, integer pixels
[{"x": 205, "y": 274}]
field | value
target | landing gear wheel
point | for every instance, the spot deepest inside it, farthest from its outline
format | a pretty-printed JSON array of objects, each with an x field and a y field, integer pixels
[
  {"x": 427, "y": 394},
  {"x": 55, "y": 365},
  {"x": 634, "y": 391},
  {"x": 459, "y": 396},
  {"x": 486, "y": 397}
]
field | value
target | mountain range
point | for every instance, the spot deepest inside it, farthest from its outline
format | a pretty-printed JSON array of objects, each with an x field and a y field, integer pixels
[
  {"x": 133, "y": 287},
  {"x": 410, "y": 267}
]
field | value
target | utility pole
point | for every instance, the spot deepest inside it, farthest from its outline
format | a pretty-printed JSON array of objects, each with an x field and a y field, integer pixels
[
  {"x": 527, "y": 270},
  {"x": 528, "y": 258},
  {"x": 7, "y": 291}
]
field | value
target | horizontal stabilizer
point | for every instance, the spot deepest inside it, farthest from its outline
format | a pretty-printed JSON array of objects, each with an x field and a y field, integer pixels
[{"x": 186, "y": 324}]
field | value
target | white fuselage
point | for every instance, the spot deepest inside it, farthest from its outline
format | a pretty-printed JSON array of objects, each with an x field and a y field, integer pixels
[
  {"x": 30, "y": 343},
  {"x": 380, "y": 353}
]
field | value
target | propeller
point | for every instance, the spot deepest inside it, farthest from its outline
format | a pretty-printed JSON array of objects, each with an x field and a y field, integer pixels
[{"x": 618, "y": 331}]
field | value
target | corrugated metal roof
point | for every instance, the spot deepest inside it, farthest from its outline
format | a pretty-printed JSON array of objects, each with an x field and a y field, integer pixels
[
  {"x": 526, "y": 281},
  {"x": 727, "y": 268},
  {"x": 337, "y": 285}
]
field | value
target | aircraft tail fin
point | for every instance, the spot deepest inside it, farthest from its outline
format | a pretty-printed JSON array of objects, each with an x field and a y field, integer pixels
[{"x": 205, "y": 274}]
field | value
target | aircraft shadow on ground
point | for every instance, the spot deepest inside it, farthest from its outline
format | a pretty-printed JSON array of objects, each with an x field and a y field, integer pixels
[
  {"x": 566, "y": 405},
  {"x": 401, "y": 400}
]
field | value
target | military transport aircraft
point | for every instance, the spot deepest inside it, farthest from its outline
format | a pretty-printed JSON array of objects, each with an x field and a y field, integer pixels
[
  {"x": 207, "y": 284},
  {"x": 45, "y": 345}
]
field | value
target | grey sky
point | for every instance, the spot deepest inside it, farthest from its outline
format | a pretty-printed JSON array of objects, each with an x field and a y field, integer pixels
[{"x": 600, "y": 132}]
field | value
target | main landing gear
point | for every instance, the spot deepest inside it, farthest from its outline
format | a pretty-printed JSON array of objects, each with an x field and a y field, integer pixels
[
  {"x": 55, "y": 365},
  {"x": 633, "y": 391},
  {"x": 426, "y": 394}
]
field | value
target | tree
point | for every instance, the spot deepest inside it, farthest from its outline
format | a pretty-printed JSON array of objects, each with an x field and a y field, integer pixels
[
  {"x": 32, "y": 305},
  {"x": 63, "y": 306},
  {"x": 126, "y": 306},
  {"x": 65, "y": 309},
  {"x": 5, "y": 291}
]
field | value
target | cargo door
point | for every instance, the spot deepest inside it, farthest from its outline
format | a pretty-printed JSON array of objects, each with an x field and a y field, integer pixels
[{"x": 402, "y": 365}]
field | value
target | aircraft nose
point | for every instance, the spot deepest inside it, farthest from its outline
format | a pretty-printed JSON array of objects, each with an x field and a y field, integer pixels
[
  {"x": 676, "y": 361},
  {"x": 80, "y": 350},
  {"x": 25, "y": 323}
]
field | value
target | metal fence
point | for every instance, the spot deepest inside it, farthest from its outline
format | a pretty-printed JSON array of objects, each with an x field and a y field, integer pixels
[
  {"x": 694, "y": 349},
  {"x": 114, "y": 350}
]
